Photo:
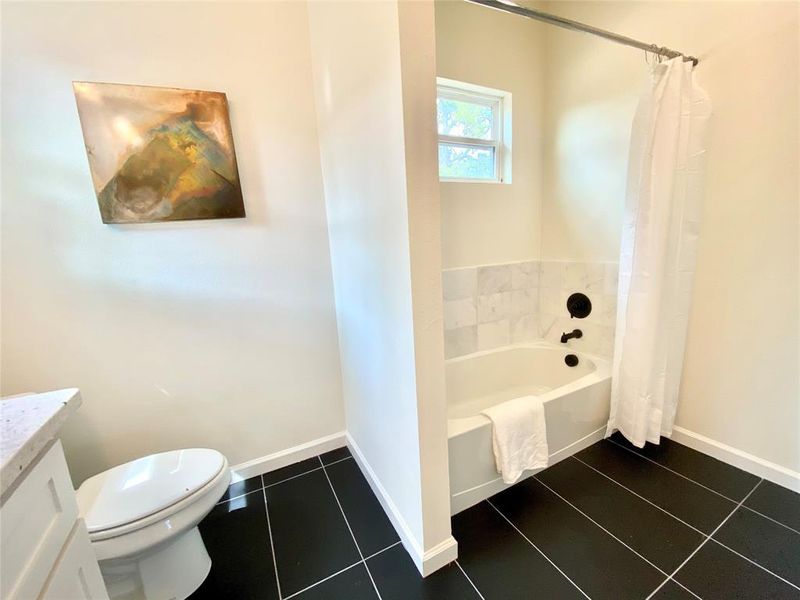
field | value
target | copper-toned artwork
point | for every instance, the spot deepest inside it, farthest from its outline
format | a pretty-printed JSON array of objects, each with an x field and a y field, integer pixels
[{"x": 159, "y": 154}]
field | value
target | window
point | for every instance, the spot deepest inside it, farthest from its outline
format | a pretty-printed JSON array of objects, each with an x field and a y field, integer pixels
[{"x": 471, "y": 121}]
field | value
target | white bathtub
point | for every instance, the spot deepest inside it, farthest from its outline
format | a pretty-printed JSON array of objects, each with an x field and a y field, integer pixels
[{"x": 576, "y": 403}]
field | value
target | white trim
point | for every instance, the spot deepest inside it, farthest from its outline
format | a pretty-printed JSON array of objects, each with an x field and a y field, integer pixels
[
  {"x": 499, "y": 102},
  {"x": 284, "y": 458},
  {"x": 470, "y": 88},
  {"x": 426, "y": 561},
  {"x": 437, "y": 557},
  {"x": 461, "y": 180},
  {"x": 738, "y": 458}
]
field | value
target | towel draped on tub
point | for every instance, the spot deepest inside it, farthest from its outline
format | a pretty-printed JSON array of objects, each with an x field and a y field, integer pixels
[{"x": 519, "y": 436}]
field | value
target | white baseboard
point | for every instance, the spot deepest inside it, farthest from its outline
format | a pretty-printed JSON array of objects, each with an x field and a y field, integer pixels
[
  {"x": 426, "y": 561},
  {"x": 467, "y": 498},
  {"x": 747, "y": 462},
  {"x": 437, "y": 557},
  {"x": 276, "y": 460}
]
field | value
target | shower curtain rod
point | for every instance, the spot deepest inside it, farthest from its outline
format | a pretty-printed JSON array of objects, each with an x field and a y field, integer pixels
[{"x": 576, "y": 26}]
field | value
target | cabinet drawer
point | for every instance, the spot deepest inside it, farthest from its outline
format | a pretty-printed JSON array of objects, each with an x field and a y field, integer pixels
[
  {"x": 36, "y": 521},
  {"x": 76, "y": 575}
]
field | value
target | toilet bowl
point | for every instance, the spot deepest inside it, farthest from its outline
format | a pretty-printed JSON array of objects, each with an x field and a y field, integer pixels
[{"x": 142, "y": 519}]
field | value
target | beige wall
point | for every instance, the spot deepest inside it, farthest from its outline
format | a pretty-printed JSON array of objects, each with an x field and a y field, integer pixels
[
  {"x": 216, "y": 333},
  {"x": 591, "y": 89},
  {"x": 382, "y": 199},
  {"x": 487, "y": 223},
  {"x": 740, "y": 382}
]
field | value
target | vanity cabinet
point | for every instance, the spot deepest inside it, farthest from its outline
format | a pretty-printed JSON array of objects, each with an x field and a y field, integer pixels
[{"x": 45, "y": 552}]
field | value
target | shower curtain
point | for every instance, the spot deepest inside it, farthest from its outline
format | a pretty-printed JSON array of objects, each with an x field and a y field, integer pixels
[{"x": 657, "y": 257}]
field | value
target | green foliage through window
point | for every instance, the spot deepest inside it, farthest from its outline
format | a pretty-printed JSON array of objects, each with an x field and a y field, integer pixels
[
  {"x": 466, "y": 162},
  {"x": 468, "y": 140},
  {"x": 464, "y": 119}
]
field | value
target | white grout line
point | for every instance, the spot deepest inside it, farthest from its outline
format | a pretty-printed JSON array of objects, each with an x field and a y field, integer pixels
[
  {"x": 239, "y": 496},
  {"x": 656, "y": 506},
  {"x": 760, "y": 514},
  {"x": 390, "y": 546},
  {"x": 535, "y": 547},
  {"x": 659, "y": 569},
  {"x": 336, "y": 497},
  {"x": 676, "y": 582},
  {"x": 739, "y": 504},
  {"x": 261, "y": 477},
  {"x": 750, "y": 560},
  {"x": 290, "y": 478},
  {"x": 706, "y": 536},
  {"x": 330, "y": 464},
  {"x": 355, "y": 564},
  {"x": 271, "y": 543},
  {"x": 703, "y": 543},
  {"x": 679, "y": 584},
  {"x": 363, "y": 560},
  {"x": 639, "y": 496},
  {"x": 474, "y": 587},
  {"x": 673, "y": 471},
  {"x": 323, "y": 580}
]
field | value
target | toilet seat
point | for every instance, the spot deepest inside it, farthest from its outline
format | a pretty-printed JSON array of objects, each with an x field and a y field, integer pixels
[
  {"x": 144, "y": 517},
  {"x": 136, "y": 494}
]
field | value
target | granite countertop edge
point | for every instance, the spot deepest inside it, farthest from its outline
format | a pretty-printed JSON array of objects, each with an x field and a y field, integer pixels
[{"x": 27, "y": 424}]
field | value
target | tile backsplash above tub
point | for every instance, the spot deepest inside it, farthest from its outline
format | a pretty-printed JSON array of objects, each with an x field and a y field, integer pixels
[
  {"x": 490, "y": 306},
  {"x": 595, "y": 279}
]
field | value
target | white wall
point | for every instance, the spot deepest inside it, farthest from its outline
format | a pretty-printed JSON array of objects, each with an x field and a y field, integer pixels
[
  {"x": 488, "y": 223},
  {"x": 740, "y": 381},
  {"x": 591, "y": 89},
  {"x": 216, "y": 333},
  {"x": 374, "y": 82}
]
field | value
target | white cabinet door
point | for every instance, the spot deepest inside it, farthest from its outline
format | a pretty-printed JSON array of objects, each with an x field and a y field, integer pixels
[
  {"x": 36, "y": 521},
  {"x": 76, "y": 575}
]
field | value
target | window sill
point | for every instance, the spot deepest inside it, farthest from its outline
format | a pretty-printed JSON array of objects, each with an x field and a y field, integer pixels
[{"x": 483, "y": 181}]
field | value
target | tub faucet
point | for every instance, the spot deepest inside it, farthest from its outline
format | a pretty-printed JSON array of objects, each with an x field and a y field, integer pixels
[{"x": 565, "y": 337}]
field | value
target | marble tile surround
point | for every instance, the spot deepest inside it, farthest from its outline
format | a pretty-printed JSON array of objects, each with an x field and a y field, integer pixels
[{"x": 490, "y": 306}]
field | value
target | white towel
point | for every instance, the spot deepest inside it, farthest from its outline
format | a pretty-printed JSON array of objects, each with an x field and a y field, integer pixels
[{"x": 519, "y": 436}]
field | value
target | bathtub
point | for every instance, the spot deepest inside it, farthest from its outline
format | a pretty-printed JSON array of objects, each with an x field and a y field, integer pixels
[{"x": 576, "y": 404}]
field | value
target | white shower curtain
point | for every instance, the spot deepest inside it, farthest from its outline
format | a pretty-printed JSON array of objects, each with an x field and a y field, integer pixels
[{"x": 657, "y": 258}]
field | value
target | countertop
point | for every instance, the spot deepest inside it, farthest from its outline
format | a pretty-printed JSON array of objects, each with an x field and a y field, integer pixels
[{"x": 27, "y": 423}]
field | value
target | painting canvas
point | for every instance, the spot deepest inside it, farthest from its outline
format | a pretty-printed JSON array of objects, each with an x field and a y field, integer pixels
[{"x": 159, "y": 154}]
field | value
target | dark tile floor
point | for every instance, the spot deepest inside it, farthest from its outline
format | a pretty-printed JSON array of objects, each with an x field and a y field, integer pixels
[{"x": 613, "y": 522}]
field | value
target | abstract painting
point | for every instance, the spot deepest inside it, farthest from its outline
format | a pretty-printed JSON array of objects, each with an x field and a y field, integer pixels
[{"x": 159, "y": 154}]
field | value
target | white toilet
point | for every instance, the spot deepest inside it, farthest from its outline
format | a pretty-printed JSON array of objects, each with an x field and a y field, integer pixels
[{"x": 142, "y": 519}]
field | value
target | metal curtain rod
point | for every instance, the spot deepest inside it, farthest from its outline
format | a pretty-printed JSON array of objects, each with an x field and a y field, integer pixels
[{"x": 576, "y": 26}]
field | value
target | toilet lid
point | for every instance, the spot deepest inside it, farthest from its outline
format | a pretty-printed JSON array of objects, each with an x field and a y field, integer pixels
[{"x": 145, "y": 486}]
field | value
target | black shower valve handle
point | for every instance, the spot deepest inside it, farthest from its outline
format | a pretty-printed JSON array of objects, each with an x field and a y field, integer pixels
[{"x": 579, "y": 306}]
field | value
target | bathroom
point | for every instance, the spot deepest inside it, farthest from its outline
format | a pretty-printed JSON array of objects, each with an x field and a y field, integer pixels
[{"x": 318, "y": 346}]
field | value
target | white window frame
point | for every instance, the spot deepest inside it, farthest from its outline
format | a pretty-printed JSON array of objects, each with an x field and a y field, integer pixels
[{"x": 500, "y": 103}]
